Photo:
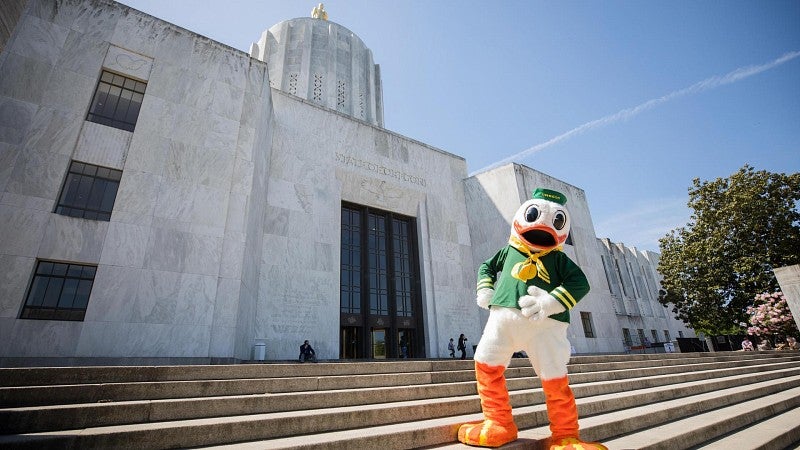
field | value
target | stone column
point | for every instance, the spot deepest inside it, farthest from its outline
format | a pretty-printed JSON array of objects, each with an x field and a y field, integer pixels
[{"x": 789, "y": 280}]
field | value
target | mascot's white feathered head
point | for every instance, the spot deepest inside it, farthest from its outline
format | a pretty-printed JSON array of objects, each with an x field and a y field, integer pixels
[{"x": 542, "y": 223}]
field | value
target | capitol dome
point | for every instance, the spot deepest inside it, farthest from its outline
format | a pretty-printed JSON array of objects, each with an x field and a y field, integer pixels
[{"x": 324, "y": 63}]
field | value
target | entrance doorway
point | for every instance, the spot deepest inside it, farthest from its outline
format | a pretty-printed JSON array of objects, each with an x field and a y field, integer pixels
[
  {"x": 379, "y": 343},
  {"x": 380, "y": 301},
  {"x": 405, "y": 340},
  {"x": 350, "y": 343}
]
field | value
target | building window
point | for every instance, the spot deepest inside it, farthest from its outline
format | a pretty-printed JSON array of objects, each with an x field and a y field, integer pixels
[
  {"x": 89, "y": 192},
  {"x": 666, "y": 336},
  {"x": 378, "y": 267},
  {"x": 350, "y": 286},
  {"x": 640, "y": 334},
  {"x": 116, "y": 101},
  {"x": 622, "y": 279},
  {"x": 634, "y": 279},
  {"x": 403, "y": 267},
  {"x": 317, "y": 87},
  {"x": 626, "y": 337},
  {"x": 680, "y": 334},
  {"x": 59, "y": 291},
  {"x": 654, "y": 333},
  {"x": 341, "y": 95},
  {"x": 586, "y": 320},
  {"x": 380, "y": 302},
  {"x": 377, "y": 258}
]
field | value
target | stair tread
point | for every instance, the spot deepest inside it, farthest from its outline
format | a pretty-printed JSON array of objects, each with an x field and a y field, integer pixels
[
  {"x": 612, "y": 377},
  {"x": 761, "y": 434},
  {"x": 189, "y": 401},
  {"x": 532, "y": 434},
  {"x": 452, "y": 402},
  {"x": 470, "y": 383},
  {"x": 677, "y": 428},
  {"x": 11, "y": 377},
  {"x": 532, "y": 437},
  {"x": 610, "y": 397}
]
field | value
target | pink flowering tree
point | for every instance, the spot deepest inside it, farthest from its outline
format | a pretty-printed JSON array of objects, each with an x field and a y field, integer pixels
[{"x": 770, "y": 317}]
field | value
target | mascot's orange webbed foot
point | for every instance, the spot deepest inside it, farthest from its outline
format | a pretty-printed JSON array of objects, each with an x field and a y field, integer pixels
[
  {"x": 487, "y": 433},
  {"x": 575, "y": 444}
]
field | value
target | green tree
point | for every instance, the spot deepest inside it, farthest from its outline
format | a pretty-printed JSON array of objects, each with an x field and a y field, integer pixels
[{"x": 741, "y": 228}]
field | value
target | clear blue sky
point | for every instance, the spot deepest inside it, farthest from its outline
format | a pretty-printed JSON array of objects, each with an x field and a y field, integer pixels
[{"x": 638, "y": 97}]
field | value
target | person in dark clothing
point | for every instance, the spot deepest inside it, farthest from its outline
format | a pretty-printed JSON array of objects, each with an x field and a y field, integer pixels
[
  {"x": 403, "y": 347},
  {"x": 462, "y": 345},
  {"x": 307, "y": 353}
]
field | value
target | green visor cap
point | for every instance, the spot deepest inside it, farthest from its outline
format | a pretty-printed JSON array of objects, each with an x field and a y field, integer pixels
[{"x": 547, "y": 194}]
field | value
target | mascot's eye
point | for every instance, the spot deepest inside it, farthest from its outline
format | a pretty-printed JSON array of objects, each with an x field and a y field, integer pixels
[
  {"x": 559, "y": 220},
  {"x": 532, "y": 214}
]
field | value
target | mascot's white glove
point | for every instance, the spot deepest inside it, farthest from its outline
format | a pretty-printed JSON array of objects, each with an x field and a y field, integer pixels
[
  {"x": 539, "y": 304},
  {"x": 485, "y": 297}
]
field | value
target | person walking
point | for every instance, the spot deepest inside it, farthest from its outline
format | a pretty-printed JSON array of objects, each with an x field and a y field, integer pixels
[
  {"x": 451, "y": 347},
  {"x": 462, "y": 345}
]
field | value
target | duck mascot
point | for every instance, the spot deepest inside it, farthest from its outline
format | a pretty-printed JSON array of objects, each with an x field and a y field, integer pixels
[{"x": 529, "y": 286}]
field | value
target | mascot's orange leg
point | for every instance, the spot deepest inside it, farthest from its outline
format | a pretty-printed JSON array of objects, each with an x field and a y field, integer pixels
[
  {"x": 498, "y": 426},
  {"x": 563, "y": 415}
]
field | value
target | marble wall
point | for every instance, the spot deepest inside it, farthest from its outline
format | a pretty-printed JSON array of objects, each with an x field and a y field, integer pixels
[
  {"x": 492, "y": 199},
  {"x": 226, "y": 227},
  {"x": 175, "y": 275},
  {"x": 9, "y": 16},
  {"x": 320, "y": 159},
  {"x": 634, "y": 275},
  {"x": 789, "y": 280}
]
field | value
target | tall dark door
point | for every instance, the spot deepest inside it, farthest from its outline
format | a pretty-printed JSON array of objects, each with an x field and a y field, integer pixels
[{"x": 380, "y": 288}]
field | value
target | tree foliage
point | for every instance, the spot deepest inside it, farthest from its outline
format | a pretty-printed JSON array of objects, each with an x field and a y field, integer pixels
[{"x": 741, "y": 228}]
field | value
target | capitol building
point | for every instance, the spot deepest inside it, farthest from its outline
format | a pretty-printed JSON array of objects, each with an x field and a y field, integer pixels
[{"x": 165, "y": 198}]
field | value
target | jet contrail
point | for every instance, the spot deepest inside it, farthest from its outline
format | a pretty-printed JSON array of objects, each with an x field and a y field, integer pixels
[{"x": 709, "y": 83}]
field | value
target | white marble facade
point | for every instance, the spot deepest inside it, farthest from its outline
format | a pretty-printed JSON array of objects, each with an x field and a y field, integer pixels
[
  {"x": 492, "y": 199},
  {"x": 171, "y": 278},
  {"x": 226, "y": 226}
]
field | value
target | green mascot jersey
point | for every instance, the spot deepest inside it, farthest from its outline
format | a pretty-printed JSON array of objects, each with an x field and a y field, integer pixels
[{"x": 567, "y": 282}]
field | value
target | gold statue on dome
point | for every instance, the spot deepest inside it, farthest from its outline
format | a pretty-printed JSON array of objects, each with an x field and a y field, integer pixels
[{"x": 319, "y": 12}]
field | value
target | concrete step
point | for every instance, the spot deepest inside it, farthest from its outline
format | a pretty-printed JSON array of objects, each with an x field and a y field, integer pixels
[
  {"x": 43, "y": 376},
  {"x": 441, "y": 433},
  {"x": 523, "y": 391},
  {"x": 594, "y": 398},
  {"x": 777, "y": 432},
  {"x": 519, "y": 377},
  {"x": 607, "y": 416},
  {"x": 700, "y": 428}
]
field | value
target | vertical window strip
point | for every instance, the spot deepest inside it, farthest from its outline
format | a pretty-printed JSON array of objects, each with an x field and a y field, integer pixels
[
  {"x": 402, "y": 268},
  {"x": 351, "y": 262},
  {"x": 378, "y": 270},
  {"x": 586, "y": 320}
]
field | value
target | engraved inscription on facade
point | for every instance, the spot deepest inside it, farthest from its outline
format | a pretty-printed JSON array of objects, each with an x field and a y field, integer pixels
[{"x": 379, "y": 169}]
